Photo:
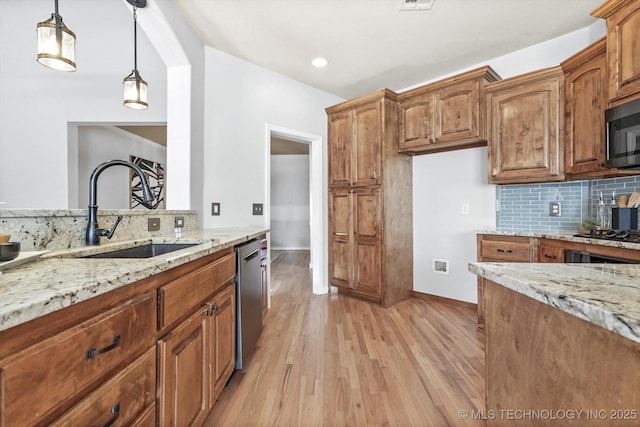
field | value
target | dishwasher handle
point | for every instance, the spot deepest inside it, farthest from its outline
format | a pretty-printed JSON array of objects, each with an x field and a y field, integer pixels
[{"x": 249, "y": 257}]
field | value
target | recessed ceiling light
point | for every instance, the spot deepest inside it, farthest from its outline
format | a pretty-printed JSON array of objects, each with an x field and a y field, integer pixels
[{"x": 319, "y": 62}]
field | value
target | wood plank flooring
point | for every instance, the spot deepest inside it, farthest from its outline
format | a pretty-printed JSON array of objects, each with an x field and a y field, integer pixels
[{"x": 331, "y": 360}]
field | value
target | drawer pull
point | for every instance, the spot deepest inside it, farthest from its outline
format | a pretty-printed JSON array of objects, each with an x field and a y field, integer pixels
[
  {"x": 93, "y": 352},
  {"x": 504, "y": 251},
  {"x": 550, "y": 256},
  {"x": 115, "y": 410}
]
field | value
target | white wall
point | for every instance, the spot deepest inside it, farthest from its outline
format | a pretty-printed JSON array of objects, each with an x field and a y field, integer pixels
[
  {"x": 36, "y": 103},
  {"x": 443, "y": 181},
  {"x": 290, "y": 208},
  {"x": 98, "y": 144},
  {"x": 240, "y": 100}
]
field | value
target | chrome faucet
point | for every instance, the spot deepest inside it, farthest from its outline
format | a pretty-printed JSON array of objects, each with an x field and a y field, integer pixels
[{"x": 93, "y": 232}]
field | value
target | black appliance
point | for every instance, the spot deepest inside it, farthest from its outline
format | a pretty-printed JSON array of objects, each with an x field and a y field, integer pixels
[
  {"x": 623, "y": 135},
  {"x": 582, "y": 257}
]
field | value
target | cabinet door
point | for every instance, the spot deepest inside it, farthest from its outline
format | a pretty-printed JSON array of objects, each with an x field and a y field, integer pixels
[
  {"x": 367, "y": 240},
  {"x": 458, "y": 112},
  {"x": 526, "y": 124},
  {"x": 623, "y": 51},
  {"x": 367, "y": 144},
  {"x": 340, "y": 253},
  {"x": 183, "y": 371},
  {"x": 222, "y": 341},
  {"x": 339, "y": 152},
  {"x": 417, "y": 121},
  {"x": 585, "y": 102}
]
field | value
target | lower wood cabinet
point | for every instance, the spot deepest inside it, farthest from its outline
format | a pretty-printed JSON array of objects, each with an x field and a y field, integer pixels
[
  {"x": 500, "y": 248},
  {"x": 156, "y": 352}
]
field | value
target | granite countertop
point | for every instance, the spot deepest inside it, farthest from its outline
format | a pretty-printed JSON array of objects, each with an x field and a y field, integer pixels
[
  {"x": 607, "y": 295},
  {"x": 60, "y": 279},
  {"x": 567, "y": 237}
]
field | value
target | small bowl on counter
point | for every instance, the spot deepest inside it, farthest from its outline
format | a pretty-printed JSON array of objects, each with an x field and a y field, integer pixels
[{"x": 9, "y": 251}]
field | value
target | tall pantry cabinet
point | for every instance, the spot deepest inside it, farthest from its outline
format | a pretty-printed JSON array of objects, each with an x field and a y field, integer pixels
[{"x": 370, "y": 201}]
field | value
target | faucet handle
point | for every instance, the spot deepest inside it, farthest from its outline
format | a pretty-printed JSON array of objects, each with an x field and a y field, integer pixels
[{"x": 109, "y": 234}]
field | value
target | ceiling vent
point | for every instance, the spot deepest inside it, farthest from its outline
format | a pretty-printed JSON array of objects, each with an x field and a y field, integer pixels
[{"x": 416, "y": 4}]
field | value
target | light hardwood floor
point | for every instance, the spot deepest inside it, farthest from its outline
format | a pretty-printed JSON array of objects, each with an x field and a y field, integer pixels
[{"x": 331, "y": 360}]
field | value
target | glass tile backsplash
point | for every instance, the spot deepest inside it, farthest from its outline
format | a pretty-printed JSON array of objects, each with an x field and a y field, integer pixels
[{"x": 526, "y": 207}]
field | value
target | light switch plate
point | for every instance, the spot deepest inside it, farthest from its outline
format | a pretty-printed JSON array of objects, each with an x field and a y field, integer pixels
[
  {"x": 215, "y": 208},
  {"x": 179, "y": 222},
  {"x": 257, "y": 208},
  {"x": 153, "y": 224}
]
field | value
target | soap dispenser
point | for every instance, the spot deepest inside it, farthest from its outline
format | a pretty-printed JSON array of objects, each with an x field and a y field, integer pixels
[{"x": 602, "y": 212}]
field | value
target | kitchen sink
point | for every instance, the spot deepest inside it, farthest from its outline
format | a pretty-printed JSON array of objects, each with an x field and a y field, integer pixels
[{"x": 145, "y": 251}]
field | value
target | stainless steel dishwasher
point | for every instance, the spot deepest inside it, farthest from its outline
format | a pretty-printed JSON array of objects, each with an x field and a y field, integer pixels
[{"x": 248, "y": 300}]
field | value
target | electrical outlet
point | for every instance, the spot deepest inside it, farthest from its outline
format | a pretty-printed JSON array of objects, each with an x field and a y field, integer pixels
[
  {"x": 441, "y": 266},
  {"x": 215, "y": 208},
  {"x": 464, "y": 209},
  {"x": 153, "y": 224},
  {"x": 257, "y": 208},
  {"x": 555, "y": 209},
  {"x": 179, "y": 222}
]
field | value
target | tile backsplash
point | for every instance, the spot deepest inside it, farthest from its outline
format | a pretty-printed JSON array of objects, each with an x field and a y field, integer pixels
[{"x": 526, "y": 207}]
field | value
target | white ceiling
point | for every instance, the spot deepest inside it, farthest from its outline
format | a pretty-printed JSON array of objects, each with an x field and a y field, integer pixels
[{"x": 371, "y": 44}]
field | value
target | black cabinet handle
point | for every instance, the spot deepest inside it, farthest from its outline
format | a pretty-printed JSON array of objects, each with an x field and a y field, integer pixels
[
  {"x": 115, "y": 410},
  {"x": 504, "y": 251},
  {"x": 550, "y": 256},
  {"x": 93, "y": 352},
  {"x": 211, "y": 308}
]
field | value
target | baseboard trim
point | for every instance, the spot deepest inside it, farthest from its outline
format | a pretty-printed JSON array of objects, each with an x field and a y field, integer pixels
[{"x": 445, "y": 300}]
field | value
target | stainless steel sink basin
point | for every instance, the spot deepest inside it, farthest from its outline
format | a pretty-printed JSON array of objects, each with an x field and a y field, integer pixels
[{"x": 145, "y": 251}]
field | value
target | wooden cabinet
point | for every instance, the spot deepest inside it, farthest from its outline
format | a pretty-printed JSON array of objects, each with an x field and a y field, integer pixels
[
  {"x": 445, "y": 115},
  {"x": 585, "y": 101},
  {"x": 370, "y": 193},
  {"x": 623, "y": 49},
  {"x": 525, "y": 128},
  {"x": 551, "y": 251},
  {"x": 499, "y": 248},
  {"x": 197, "y": 356}
]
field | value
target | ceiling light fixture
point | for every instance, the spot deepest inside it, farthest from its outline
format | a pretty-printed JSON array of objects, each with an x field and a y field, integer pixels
[
  {"x": 319, "y": 62},
  {"x": 135, "y": 88},
  {"x": 56, "y": 43}
]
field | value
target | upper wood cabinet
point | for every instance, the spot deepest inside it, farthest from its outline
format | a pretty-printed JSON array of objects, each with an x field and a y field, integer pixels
[
  {"x": 585, "y": 101},
  {"x": 356, "y": 130},
  {"x": 446, "y": 115},
  {"x": 623, "y": 48},
  {"x": 525, "y": 127}
]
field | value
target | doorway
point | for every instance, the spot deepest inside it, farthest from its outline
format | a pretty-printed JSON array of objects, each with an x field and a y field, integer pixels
[{"x": 316, "y": 211}]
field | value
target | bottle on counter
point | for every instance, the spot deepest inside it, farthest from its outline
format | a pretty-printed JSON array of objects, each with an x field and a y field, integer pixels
[
  {"x": 601, "y": 214},
  {"x": 612, "y": 204}
]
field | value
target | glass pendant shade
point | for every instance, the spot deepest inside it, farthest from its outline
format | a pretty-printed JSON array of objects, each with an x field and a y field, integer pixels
[
  {"x": 56, "y": 44},
  {"x": 135, "y": 91}
]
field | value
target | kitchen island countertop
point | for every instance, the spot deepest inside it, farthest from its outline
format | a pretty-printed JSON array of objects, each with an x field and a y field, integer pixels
[
  {"x": 607, "y": 295},
  {"x": 60, "y": 279}
]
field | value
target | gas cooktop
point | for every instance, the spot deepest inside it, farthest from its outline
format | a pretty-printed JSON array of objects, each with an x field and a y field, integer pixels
[{"x": 632, "y": 236}]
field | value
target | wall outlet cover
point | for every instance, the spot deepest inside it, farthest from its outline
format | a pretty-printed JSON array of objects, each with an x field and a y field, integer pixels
[
  {"x": 153, "y": 224},
  {"x": 440, "y": 266},
  {"x": 257, "y": 208},
  {"x": 215, "y": 208}
]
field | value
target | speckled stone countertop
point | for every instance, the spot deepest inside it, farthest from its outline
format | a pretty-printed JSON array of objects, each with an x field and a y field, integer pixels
[
  {"x": 607, "y": 295},
  {"x": 567, "y": 237},
  {"x": 60, "y": 279}
]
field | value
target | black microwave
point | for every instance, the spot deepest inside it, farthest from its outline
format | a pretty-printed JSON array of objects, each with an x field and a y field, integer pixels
[{"x": 623, "y": 135}]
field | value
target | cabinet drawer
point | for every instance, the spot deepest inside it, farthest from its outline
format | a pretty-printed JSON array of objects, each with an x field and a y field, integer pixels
[
  {"x": 120, "y": 399},
  {"x": 46, "y": 376},
  {"x": 507, "y": 251},
  {"x": 179, "y": 297},
  {"x": 549, "y": 254}
]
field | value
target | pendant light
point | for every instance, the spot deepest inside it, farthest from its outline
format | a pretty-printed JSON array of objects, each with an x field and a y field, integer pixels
[
  {"x": 135, "y": 88},
  {"x": 56, "y": 43}
]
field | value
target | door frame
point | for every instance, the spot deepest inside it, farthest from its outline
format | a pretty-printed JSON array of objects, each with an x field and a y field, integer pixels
[{"x": 317, "y": 221}]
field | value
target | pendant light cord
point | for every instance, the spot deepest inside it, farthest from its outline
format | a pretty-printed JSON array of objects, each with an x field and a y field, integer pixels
[{"x": 135, "y": 37}]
